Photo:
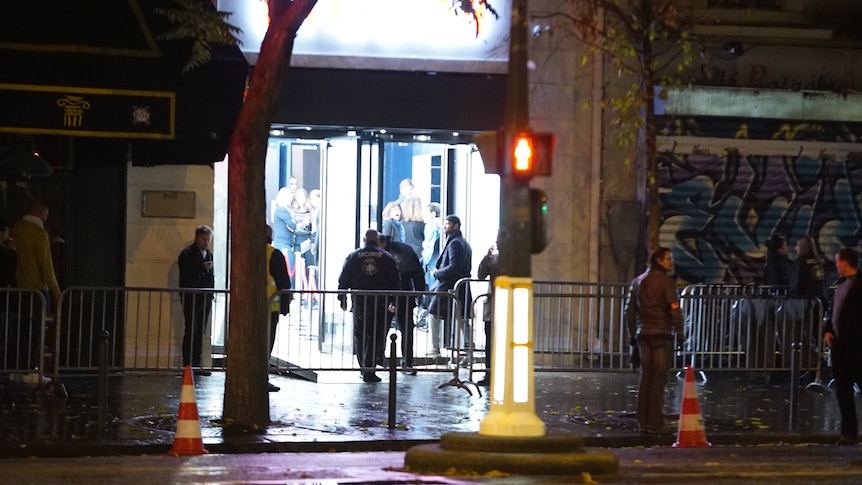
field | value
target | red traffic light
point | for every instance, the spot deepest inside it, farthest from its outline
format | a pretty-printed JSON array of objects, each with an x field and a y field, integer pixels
[
  {"x": 531, "y": 154},
  {"x": 523, "y": 154}
]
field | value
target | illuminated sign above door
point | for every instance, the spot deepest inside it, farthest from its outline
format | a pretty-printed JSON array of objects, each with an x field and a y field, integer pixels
[{"x": 404, "y": 35}]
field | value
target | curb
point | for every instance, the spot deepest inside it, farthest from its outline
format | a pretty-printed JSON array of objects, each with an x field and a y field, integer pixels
[{"x": 84, "y": 448}]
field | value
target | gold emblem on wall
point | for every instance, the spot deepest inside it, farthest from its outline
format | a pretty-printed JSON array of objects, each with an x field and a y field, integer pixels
[{"x": 73, "y": 110}]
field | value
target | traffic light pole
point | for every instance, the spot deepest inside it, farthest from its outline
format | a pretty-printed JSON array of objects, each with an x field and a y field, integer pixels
[
  {"x": 515, "y": 229},
  {"x": 511, "y": 402},
  {"x": 512, "y": 438}
]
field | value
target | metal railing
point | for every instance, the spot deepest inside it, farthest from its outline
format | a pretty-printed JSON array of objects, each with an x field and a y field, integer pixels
[
  {"x": 733, "y": 327},
  {"x": 577, "y": 326},
  {"x": 24, "y": 323}
]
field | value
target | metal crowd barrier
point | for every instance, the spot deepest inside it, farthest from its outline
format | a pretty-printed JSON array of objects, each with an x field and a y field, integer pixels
[
  {"x": 577, "y": 326},
  {"x": 144, "y": 327},
  {"x": 731, "y": 327},
  {"x": 318, "y": 335},
  {"x": 24, "y": 321}
]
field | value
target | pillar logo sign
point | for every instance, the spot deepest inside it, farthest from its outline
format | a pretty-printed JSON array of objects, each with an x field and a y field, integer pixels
[
  {"x": 80, "y": 111},
  {"x": 73, "y": 110}
]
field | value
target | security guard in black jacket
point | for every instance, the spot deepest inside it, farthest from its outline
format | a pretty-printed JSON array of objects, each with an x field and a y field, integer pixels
[{"x": 369, "y": 268}]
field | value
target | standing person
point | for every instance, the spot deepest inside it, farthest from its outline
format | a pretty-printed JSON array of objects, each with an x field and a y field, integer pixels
[
  {"x": 431, "y": 243},
  {"x": 196, "y": 271},
  {"x": 455, "y": 263},
  {"x": 843, "y": 334},
  {"x": 489, "y": 267},
  {"x": 277, "y": 280},
  {"x": 412, "y": 279},
  {"x": 8, "y": 258},
  {"x": 392, "y": 226},
  {"x": 414, "y": 225},
  {"x": 369, "y": 268},
  {"x": 405, "y": 190},
  {"x": 807, "y": 282},
  {"x": 806, "y": 275},
  {"x": 283, "y": 228},
  {"x": 34, "y": 271},
  {"x": 778, "y": 264},
  {"x": 315, "y": 200},
  {"x": 301, "y": 210},
  {"x": 8, "y": 303},
  {"x": 652, "y": 315}
]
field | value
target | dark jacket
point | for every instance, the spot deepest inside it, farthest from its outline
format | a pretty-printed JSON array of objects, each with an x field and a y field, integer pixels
[
  {"x": 369, "y": 268},
  {"x": 489, "y": 267},
  {"x": 414, "y": 235},
  {"x": 848, "y": 334},
  {"x": 409, "y": 266},
  {"x": 455, "y": 263},
  {"x": 807, "y": 278},
  {"x": 778, "y": 268},
  {"x": 281, "y": 280},
  {"x": 653, "y": 305},
  {"x": 410, "y": 269},
  {"x": 192, "y": 271}
]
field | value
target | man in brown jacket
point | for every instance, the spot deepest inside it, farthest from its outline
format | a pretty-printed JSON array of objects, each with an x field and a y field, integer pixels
[{"x": 653, "y": 316}]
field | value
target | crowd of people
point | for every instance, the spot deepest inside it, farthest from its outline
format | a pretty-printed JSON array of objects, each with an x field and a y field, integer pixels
[{"x": 417, "y": 250}]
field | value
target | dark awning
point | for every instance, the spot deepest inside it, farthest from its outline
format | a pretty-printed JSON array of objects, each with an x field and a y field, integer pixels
[{"x": 95, "y": 68}]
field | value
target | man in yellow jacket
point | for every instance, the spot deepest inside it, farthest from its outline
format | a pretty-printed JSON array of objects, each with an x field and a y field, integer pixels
[{"x": 35, "y": 271}]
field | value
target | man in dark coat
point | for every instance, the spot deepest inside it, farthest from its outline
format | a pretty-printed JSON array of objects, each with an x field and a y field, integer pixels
[
  {"x": 196, "y": 271},
  {"x": 369, "y": 268},
  {"x": 412, "y": 279},
  {"x": 843, "y": 333},
  {"x": 455, "y": 262}
]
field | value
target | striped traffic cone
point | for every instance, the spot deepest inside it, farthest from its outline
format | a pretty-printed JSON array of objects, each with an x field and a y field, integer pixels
[
  {"x": 187, "y": 439},
  {"x": 691, "y": 433}
]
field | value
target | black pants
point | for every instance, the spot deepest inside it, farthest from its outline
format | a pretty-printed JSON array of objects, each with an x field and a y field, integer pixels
[
  {"x": 370, "y": 325},
  {"x": 656, "y": 354},
  {"x": 405, "y": 324},
  {"x": 196, "y": 310},
  {"x": 846, "y": 368},
  {"x": 273, "y": 325},
  {"x": 489, "y": 326}
]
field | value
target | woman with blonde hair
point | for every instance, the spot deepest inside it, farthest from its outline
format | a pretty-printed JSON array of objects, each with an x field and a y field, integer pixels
[
  {"x": 301, "y": 209},
  {"x": 414, "y": 224},
  {"x": 283, "y": 227}
]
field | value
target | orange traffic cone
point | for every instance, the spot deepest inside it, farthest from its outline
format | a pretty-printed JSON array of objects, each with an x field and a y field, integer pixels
[
  {"x": 187, "y": 439},
  {"x": 691, "y": 433}
]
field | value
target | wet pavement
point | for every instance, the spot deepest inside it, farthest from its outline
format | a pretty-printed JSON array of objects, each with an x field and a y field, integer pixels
[{"x": 341, "y": 413}]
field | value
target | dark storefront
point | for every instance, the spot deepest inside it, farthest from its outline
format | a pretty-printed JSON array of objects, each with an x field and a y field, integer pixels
[{"x": 89, "y": 85}]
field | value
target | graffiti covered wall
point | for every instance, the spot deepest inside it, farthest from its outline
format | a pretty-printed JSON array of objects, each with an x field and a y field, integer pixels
[{"x": 718, "y": 211}]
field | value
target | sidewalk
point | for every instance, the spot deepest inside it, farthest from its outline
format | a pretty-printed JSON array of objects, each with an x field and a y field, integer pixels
[{"x": 340, "y": 413}]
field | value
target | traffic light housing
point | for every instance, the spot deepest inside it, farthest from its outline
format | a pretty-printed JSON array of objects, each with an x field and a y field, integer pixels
[
  {"x": 524, "y": 154},
  {"x": 488, "y": 143},
  {"x": 529, "y": 154},
  {"x": 538, "y": 220}
]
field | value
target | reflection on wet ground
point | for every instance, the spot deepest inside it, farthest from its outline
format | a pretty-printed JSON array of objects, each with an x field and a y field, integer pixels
[{"x": 142, "y": 408}]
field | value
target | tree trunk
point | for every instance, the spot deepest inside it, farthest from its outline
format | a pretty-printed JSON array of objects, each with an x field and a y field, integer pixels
[
  {"x": 246, "y": 400},
  {"x": 647, "y": 143},
  {"x": 649, "y": 150}
]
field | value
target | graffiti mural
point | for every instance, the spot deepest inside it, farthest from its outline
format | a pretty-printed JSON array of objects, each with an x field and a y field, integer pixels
[{"x": 719, "y": 210}]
